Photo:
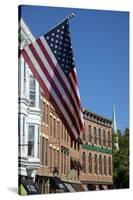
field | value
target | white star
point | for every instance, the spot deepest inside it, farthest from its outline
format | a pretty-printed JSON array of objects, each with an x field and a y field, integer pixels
[
  {"x": 55, "y": 46},
  {"x": 52, "y": 34},
  {"x": 58, "y": 30},
  {"x": 63, "y": 27},
  {"x": 55, "y": 51},
  {"x": 52, "y": 39},
  {"x": 56, "y": 41},
  {"x": 47, "y": 37},
  {"x": 51, "y": 45},
  {"x": 57, "y": 36}
]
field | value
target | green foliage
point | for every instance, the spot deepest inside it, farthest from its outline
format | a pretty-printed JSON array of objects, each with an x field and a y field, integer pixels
[{"x": 121, "y": 160}]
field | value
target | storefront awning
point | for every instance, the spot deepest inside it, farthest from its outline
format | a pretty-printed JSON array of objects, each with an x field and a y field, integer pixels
[
  {"x": 85, "y": 187},
  {"x": 30, "y": 186},
  {"x": 77, "y": 187},
  {"x": 57, "y": 184},
  {"x": 69, "y": 187}
]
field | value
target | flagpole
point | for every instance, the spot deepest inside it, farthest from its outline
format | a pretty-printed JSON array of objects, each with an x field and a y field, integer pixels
[{"x": 68, "y": 17}]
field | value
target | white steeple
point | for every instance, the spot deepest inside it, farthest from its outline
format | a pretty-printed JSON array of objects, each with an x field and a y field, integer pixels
[{"x": 115, "y": 128}]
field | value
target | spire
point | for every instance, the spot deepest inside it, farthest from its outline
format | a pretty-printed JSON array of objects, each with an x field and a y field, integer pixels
[
  {"x": 114, "y": 121},
  {"x": 115, "y": 128}
]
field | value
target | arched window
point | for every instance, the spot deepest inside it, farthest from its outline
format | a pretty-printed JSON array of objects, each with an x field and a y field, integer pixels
[
  {"x": 95, "y": 165},
  {"x": 84, "y": 162},
  {"x": 105, "y": 167},
  {"x": 108, "y": 139},
  {"x": 95, "y": 135},
  {"x": 104, "y": 138},
  {"x": 99, "y": 135},
  {"x": 90, "y": 163},
  {"x": 100, "y": 165},
  {"x": 109, "y": 166},
  {"x": 89, "y": 134}
]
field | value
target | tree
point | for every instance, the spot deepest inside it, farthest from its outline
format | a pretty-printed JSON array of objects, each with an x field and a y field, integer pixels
[{"x": 121, "y": 160}]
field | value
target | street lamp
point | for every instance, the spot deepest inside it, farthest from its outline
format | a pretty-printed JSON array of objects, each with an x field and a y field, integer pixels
[{"x": 55, "y": 172}]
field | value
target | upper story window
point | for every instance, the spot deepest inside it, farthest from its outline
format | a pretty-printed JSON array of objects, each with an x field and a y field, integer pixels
[
  {"x": 100, "y": 165},
  {"x": 90, "y": 163},
  {"x": 95, "y": 135},
  {"x": 43, "y": 146},
  {"x": 104, "y": 138},
  {"x": 89, "y": 134},
  {"x": 51, "y": 125},
  {"x": 31, "y": 131},
  {"x": 83, "y": 162},
  {"x": 95, "y": 165},
  {"x": 54, "y": 128},
  {"x": 46, "y": 156},
  {"x": 99, "y": 135},
  {"x": 109, "y": 144},
  {"x": 83, "y": 135},
  {"x": 58, "y": 130},
  {"x": 32, "y": 91},
  {"x": 105, "y": 166},
  {"x": 109, "y": 166}
]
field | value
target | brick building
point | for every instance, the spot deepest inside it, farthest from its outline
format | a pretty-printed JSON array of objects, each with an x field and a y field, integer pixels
[
  {"x": 58, "y": 154},
  {"x": 96, "y": 153},
  {"x": 78, "y": 167}
]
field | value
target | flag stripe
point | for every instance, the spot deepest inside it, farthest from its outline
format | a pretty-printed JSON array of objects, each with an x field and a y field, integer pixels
[
  {"x": 59, "y": 79},
  {"x": 55, "y": 85},
  {"x": 48, "y": 90},
  {"x": 66, "y": 80}
]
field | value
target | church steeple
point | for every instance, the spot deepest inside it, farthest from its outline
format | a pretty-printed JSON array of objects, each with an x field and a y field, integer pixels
[
  {"x": 115, "y": 128},
  {"x": 114, "y": 121}
]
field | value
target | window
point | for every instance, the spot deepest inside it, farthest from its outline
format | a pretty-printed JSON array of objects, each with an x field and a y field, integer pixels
[
  {"x": 32, "y": 95},
  {"x": 24, "y": 77},
  {"x": 58, "y": 130},
  {"x": 38, "y": 143},
  {"x": 95, "y": 135},
  {"x": 65, "y": 134},
  {"x": 58, "y": 160},
  {"x": 84, "y": 162},
  {"x": 83, "y": 135},
  {"x": 43, "y": 145},
  {"x": 95, "y": 164},
  {"x": 90, "y": 163},
  {"x": 109, "y": 166},
  {"x": 44, "y": 111},
  {"x": 46, "y": 157},
  {"x": 62, "y": 162},
  {"x": 108, "y": 139},
  {"x": 100, "y": 165},
  {"x": 104, "y": 138},
  {"x": 50, "y": 125},
  {"x": 54, "y": 128},
  {"x": 62, "y": 131},
  {"x": 47, "y": 114},
  {"x": 99, "y": 135},
  {"x": 89, "y": 134},
  {"x": 31, "y": 140},
  {"x": 105, "y": 167},
  {"x": 54, "y": 158},
  {"x": 50, "y": 159},
  {"x": 23, "y": 136}
]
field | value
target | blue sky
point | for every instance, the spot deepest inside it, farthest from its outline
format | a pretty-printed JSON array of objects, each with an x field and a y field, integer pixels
[{"x": 101, "y": 51}]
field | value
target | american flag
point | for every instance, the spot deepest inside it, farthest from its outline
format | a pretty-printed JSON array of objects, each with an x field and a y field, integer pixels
[{"x": 51, "y": 60}]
